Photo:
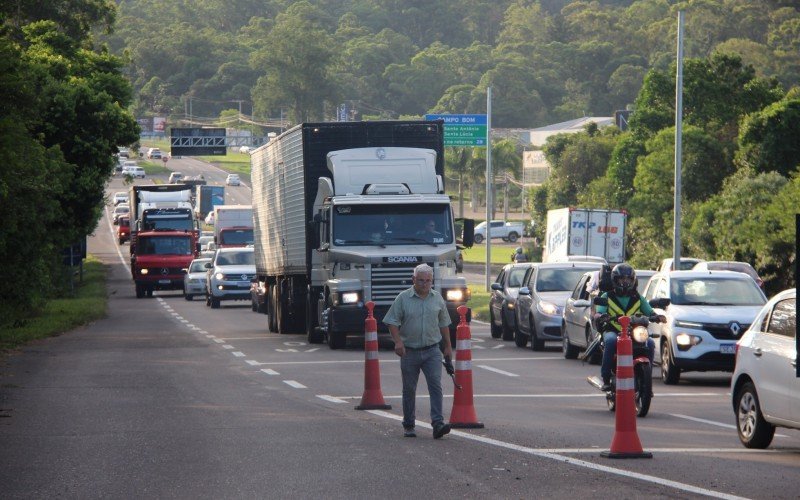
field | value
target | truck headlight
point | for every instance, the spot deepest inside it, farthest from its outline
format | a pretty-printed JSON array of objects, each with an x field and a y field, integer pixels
[
  {"x": 144, "y": 271},
  {"x": 455, "y": 295},
  {"x": 349, "y": 297},
  {"x": 640, "y": 334}
]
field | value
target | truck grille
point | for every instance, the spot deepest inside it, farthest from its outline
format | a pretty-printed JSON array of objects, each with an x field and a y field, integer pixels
[
  {"x": 239, "y": 277},
  {"x": 388, "y": 280}
]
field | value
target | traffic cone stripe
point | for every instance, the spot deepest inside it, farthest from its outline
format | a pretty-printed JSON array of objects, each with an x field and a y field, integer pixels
[
  {"x": 463, "y": 365},
  {"x": 371, "y": 336},
  {"x": 369, "y": 355},
  {"x": 463, "y": 345},
  {"x": 625, "y": 384},
  {"x": 463, "y": 414},
  {"x": 372, "y": 399},
  {"x": 624, "y": 361}
]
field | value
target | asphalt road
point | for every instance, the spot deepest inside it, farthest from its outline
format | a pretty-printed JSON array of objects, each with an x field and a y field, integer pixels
[{"x": 169, "y": 398}]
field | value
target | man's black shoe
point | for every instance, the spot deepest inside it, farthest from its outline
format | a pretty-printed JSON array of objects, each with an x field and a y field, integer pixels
[
  {"x": 440, "y": 430},
  {"x": 606, "y": 385},
  {"x": 409, "y": 432}
]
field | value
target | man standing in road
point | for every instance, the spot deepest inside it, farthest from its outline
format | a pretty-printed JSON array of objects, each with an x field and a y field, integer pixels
[{"x": 418, "y": 321}]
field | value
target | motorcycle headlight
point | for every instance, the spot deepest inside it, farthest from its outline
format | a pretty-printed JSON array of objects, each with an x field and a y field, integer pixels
[
  {"x": 548, "y": 308},
  {"x": 640, "y": 334},
  {"x": 455, "y": 295}
]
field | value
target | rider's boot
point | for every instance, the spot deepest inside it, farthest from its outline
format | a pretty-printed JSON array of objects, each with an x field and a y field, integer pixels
[{"x": 606, "y": 384}]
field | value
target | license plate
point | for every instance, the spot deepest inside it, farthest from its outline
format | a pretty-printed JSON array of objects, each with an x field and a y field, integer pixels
[
  {"x": 164, "y": 282},
  {"x": 727, "y": 349}
]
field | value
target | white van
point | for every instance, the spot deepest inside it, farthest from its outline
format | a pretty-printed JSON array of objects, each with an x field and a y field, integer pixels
[{"x": 136, "y": 172}]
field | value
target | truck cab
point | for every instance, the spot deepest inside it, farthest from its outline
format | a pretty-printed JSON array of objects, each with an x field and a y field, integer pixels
[{"x": 161, "y": 260}]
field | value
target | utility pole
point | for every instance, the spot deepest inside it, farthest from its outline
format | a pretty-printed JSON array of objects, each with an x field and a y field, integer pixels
[
  {"x": 676, "y": 242},
  {"x": 489, "y": 182}
]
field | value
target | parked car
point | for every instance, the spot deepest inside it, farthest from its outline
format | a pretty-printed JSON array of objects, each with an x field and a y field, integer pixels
[
  {"x": 508, "y": 231},
  {"x": 123, "y": 229},
  {"x": 119, "y": 210},
  {"x": 765, "y": 388},
  {"x": 503, "y": 299},
  {"x": 194, "y": 281},
  {"x": 730, "y": 265},
  {"x": 154, "y": 154},
  {"x": 707, "y": 312},
  {"x": 541, "y": 300},
  {"x": 229, "y": 275},
  {"x": 175, "y": 177},
  {"x": 232, "y": 180},
  {"x": 686, "y": 264},
  {"x": 120, "y": 197}
]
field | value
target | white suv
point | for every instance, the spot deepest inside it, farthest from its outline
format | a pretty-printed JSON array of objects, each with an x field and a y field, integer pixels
[
  {"x": 229, "y": 275},
  {"x": 765, "y": 387},
  {"x": 707, "y": 312}
]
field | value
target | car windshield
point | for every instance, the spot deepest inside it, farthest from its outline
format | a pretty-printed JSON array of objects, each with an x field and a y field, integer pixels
[
  {"x": 236, "y": 259},
  {"x": 710, "y": 291},
  {"x": 236, "y": 237},
  {"x": 515, "y": 277},
  {"x": 198, "y": 266},
  {"x": 558, "y": 279},
  {"x": 164, "y": 245},
  {"x": 382, "y": 225}
]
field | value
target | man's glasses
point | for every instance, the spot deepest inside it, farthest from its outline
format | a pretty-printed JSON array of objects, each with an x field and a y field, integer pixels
[{"x": 419, "y": 280}]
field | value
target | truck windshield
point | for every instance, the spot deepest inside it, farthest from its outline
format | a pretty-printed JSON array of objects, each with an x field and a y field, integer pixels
[
  {"x": 381, "y": 225},
  {"x": 164, "y": 223},
  {"x": 164, "y": 245},
  {"x": 236, "y": 237}
]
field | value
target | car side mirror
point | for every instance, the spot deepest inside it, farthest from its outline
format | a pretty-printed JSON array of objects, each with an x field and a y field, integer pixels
[
  {"x": 524, "y": 291},
  {"x": 661, "y": 303},
  {"x": 497, "y": 286},
  {"x": 581, "y": 303},
  {"x": 208, "y": 265},
  {"x": 600, "y": 301}
]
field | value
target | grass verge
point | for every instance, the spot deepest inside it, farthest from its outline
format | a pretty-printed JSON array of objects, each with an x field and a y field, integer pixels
[
  {"x": 479, "y": 302},
  {"x": 60, "y": 315},
  {"x": 501, "y": 254}
]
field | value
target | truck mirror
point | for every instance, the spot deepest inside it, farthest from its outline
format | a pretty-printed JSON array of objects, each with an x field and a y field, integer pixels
[{"x": 467, "y": 232}]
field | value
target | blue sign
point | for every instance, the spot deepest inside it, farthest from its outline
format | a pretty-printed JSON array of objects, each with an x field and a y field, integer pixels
[{"x": 459, "y": 119}]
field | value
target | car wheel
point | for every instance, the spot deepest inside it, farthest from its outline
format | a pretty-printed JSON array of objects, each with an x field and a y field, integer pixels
[
  {"x": 513, "y": 237},
  {"x": 569, "y": 350},
  {"x": 188, "y": 296},
  {"x": 753, "y": 430},
  {"x": 495, "y": 330},
  {"x": 597, "y": 357},
  {"x": 507, "y": 331},
  {"x": 536, "y": 343},
  {"x": 519, "y": 338},
  {"x": 478, "y": 238},
  {"x": 670, "y": 374},
  {"x": 214, "y": 302}
]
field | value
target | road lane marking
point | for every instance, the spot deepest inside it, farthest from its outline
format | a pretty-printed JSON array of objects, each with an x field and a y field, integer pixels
[
  {"x": 219, "y": 341},
  {"x": 295, "y": 384},
  {"x": 495, "y": 370},
  {"x": 253, "y": 362},
  {"x": 183, "y": 320},
  {"x": 118, "y": 247},
  {"x": 227, "y": 346},
  {"x": 331, "y": 398},
  {"x": 269, "y": 371},
  {"x": 238, "y": 354},
  {"x": 712, "y": 422},
  {"x": 572, "y": 461},
  {"x": 530, "y": 396}
]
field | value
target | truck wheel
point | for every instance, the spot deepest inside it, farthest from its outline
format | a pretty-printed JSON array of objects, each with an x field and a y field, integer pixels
[
  {"x": 313, "y": 333},
  {"x": 337, "y": 340},
  {"x": 149, "y": 292},
  {"x": 214, "y": 302},
  {"x": 478, "y": 238},
  {"x": 121, "y": 241},
  {"x": 512, "y": 237},
  {"x": 272, "y": 325},
  {"x": 188, "y": 296},
  {"x": 139, "y": 291}
]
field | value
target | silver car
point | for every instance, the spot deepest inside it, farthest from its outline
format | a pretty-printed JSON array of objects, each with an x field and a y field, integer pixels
[
  {"x": 541, "y": 300},
  {"x": 503, "y": 298},
  {"x": 229, "y": 275},
  {"x": 194, "y": 281}
]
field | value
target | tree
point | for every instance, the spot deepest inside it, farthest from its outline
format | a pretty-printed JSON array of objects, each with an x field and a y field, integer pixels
[{"x": 769, "y": 140}]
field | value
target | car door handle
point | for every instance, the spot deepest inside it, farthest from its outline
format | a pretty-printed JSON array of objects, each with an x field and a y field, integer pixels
[{"x": 757, "y": 352}]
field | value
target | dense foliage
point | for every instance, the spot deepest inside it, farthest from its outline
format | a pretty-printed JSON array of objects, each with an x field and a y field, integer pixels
[{"x": 63, "y": 115}]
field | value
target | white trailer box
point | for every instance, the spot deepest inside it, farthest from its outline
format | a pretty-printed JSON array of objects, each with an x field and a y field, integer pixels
[
  {"x": 227, "y": 216},
  {"x": 585, "y": 231}
]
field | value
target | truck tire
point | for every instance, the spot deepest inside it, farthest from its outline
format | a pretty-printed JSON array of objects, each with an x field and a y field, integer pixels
[
  {"x": 188, "y": 296},
  {"x": 149, "y": 292},
  {"x": 282, "y": 315},
  {"x": 478, "y": 238},
  {"x": 337, "y": 340},
  {"x": 272, "y": 325},
  {"x": 313, "y": 332},
  {"x": 512, "y": 237},
  {"x": 139, "y": 291}
]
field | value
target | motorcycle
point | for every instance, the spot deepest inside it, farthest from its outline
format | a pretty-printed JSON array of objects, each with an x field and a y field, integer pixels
[{"x": 642, "y": 368}]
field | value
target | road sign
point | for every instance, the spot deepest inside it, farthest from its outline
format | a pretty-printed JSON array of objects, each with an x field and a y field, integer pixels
[{"x": 463, "y": 130}]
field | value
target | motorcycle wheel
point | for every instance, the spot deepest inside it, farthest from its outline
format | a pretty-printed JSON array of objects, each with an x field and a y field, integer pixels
[{"x": 641, "y": 395}]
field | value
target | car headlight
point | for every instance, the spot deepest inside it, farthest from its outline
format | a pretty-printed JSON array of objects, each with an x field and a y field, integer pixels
[
  {"x": 144, "y": 271},
  {"x": 455, "y": 295},
  {"x": 640, "y": 334},
  {"x": 219, "y": 276},
  {"x": 349, "y": 297},
  {"x": 548, "y": 308},
  {"x": 685, "y": 341}
]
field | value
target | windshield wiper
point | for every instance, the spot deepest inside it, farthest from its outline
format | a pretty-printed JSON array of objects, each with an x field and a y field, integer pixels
[{"x": 417, "y": 240}]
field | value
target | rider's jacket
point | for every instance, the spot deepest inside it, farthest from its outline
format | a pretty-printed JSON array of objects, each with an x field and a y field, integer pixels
[{"x": 618, "y": 306}]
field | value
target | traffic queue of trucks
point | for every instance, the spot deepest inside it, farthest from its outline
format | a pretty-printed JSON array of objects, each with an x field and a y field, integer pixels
[{"x": 340, "y": 211}]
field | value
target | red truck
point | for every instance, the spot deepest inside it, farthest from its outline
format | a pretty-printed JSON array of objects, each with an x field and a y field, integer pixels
[{"x": 161, "y": 259}]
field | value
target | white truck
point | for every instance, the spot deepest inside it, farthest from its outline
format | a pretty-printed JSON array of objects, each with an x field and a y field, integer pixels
[
  {"x": 585, "y": 232},
  {"x": 341, "y": 211},
  {"x": 507, "y": 231},
  {"x": 233, "y": 225}
]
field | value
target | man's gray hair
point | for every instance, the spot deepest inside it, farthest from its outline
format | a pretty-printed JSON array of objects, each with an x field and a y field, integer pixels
[{"x": 423, "y": 268}]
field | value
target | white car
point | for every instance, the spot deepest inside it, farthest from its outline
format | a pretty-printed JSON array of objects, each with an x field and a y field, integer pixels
[
  {"x": 120, "y": 197},
  {"x": 229, "y": 275},
  {"x": 175, "y": 177},
  {"x": 120, "y": 210},
  {"x": 765, "y": 387},
  {"x": 232, "y": 180},
  {"x": 686, "y": 264},
  {"x": 209, "y": 219},
  {"x": 707, "y": 313},
  {"x": 245, "y": 149},
  {"x": 194, "y": 281},
  {"x": 154, "y": 154}
]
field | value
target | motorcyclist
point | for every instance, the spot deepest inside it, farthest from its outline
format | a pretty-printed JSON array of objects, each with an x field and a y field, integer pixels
[
  {"x": 519, "y": 256},
  {"x": 623, "y": 300}
]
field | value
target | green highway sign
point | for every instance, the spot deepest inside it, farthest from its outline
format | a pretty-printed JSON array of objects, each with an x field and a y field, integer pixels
[{"x": 463, "y": 130}]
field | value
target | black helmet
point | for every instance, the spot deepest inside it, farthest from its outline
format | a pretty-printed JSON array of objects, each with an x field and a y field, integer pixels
[
  {"x": 519, "y": 250},
  {"x": 623, "y": 276}
]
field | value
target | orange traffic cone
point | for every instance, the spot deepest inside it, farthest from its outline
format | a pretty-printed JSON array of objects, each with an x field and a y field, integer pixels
[
  {"x": 625, "y": 443},
  {"x": 372, "y": 399},
  {"x": 463, "y": 414}
]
